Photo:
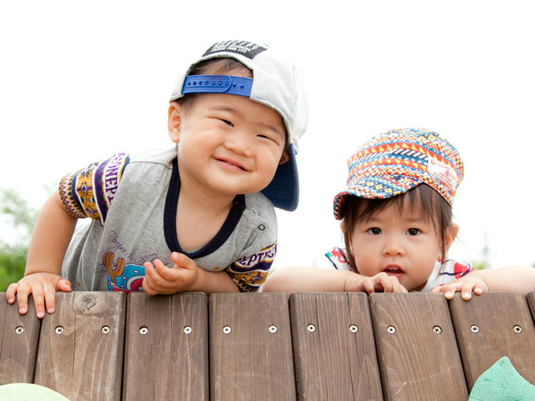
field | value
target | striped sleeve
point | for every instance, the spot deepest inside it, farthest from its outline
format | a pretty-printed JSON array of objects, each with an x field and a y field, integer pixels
[
  {"x": 90, "y": 191},
  {"x": 250, "y": 272}
]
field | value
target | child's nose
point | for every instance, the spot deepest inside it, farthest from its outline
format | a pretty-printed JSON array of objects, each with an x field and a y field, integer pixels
[
  {"x": 393, "y": 248},
  {"x": 239, "y": 142}
]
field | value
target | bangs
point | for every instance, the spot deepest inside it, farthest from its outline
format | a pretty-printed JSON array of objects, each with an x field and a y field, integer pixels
[{"x": 422, "y": 201}]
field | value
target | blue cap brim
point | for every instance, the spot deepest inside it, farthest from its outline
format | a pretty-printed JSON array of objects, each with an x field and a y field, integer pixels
[{"x": 283, "y": 191}]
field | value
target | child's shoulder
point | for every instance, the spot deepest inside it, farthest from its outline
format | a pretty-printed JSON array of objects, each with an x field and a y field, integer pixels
[
  {"x": 259, "y": 213},
  {"x": 258, "y": 204},
  {"x": 157, "y": 156}
]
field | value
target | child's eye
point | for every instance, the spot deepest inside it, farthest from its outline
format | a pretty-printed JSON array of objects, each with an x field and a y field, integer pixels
[
  {"x": 374, "y": 231},
  {"x": 270, "y": 138},
  {"x": 413, "y": 231},
  {"x": 227, "y": 122}
]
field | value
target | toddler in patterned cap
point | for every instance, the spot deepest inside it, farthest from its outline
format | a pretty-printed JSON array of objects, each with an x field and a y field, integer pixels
[{"x": 396, "y": 219}]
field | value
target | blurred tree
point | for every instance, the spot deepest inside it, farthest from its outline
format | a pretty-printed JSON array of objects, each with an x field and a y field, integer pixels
[
  {"x": 483, "y": 263},
  {"x": 480, "y": 264},
  {"x": 21, "y": 219}
]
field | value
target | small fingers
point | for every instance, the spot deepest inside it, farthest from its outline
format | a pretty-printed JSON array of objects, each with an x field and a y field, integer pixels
[
  {"x": 368, "y": 286},
  {"x": 386, "y": 282},
  {"x": 37, "y": 292},
  {"x": 466, "y": 291},
  {"x": 64, "y": 285},
  {"x": 479, "y": 289},
  {"x": 151, "y": 275},
  {"x": 449, "y": 290},
  {"x": 50, "y": 299},
  {"x": 182, "y": 261},
  {"x": 11, "y": 293}
]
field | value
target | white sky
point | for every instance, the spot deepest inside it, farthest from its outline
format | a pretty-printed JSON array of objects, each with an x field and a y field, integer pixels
[{"x": 82, "y": 80}]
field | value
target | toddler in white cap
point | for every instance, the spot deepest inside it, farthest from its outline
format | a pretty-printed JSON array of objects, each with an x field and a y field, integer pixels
[{"x": 196, "y": 217}]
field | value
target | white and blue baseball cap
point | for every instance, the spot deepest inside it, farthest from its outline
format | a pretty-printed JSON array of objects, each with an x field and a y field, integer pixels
[{"x": 275, "y": 84}]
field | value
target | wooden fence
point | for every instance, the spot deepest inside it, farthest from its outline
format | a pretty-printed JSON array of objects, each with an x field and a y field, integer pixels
[{"x": 310, "y": 346}]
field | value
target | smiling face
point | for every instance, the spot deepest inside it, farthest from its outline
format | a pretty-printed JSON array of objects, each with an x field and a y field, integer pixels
[{"x": 227, "y": 144}]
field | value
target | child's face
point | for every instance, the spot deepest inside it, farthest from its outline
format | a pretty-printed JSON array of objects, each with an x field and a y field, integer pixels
[
  {"x": 227, "y": 144},
  {"x": 400, "y": 243}
]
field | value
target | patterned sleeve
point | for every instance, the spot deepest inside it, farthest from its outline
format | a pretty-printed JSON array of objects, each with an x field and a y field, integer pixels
[
  {"x": 90, "y": 191},
  {"x": 250, "y": 272},
  {"x": 334, "y": 259}
]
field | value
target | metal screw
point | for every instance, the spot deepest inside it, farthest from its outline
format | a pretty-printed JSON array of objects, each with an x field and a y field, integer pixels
[
  {"x": 143, "y": 330},
  {"x": 311, "y": 328},
  {"x": 517, "y": 329},
  {"x": 391, "y": 329},
  {"x": 353, "y": 328},
  {"x": 272, "y": 329},
  {"x": 187, "y": 329},
  {"x": 105, "y": 329},
  {"x": 474, "y": 328},
  {"x": 227, "y": 329},
  {"x": 19, "y": 329},
  {"x": 437, "y": 329},
  {"x": 59, "y": 330}
]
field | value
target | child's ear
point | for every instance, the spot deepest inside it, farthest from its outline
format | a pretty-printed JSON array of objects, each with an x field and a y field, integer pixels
[
  {"x": 285, "y": 157},
  {"x": 451, "y": 234},
  {"x": 174, "y": 121}
]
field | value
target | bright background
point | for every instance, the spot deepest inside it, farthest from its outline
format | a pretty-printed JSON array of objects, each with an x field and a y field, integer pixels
[{"x": 82, "y": 80}]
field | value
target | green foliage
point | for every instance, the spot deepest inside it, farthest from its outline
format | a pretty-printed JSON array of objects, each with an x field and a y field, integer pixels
[
  {"x": 480, "y": 264},
  {"x": 12, "y": 263},
  {"x": 21, "y": 219}
]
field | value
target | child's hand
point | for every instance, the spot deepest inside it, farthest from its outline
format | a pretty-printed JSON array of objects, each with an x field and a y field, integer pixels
[
  {"x": 472, "y": 282},
  {"x": 380, "y": 282},
  {"x": 160, "y": 279},
  {"x": 43, "y": 287}
]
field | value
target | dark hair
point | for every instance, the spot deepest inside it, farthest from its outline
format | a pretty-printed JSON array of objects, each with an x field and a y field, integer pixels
[
  {"x": 214, "y": 66},
  {"x": 422, "y": 198}
]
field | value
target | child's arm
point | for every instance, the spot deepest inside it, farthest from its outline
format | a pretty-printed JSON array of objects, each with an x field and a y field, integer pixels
[
  {"x": 51, "y": 236},
  {"x": 313, "y": 279},
  {"x": 513, "y": 278},
  {"x": 185, "y": 275}
]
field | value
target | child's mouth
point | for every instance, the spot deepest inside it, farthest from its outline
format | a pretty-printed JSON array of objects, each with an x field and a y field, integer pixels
[
  {"x": 230, "y": 164},
  {"x": 393, "y": 270}
]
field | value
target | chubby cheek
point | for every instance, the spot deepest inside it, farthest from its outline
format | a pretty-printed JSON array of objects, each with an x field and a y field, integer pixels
[{"x": 367, "y": 263}]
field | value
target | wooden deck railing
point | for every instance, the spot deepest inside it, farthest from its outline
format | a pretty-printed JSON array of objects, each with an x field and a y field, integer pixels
[{"x": 310, "y": 346}]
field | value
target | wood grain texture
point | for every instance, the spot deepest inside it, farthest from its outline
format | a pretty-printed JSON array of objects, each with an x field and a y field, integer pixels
[
  {"x": 531, "y": 302},
  {"x": 245, "y": 346},
  {"x": 334, "y": 350},
  {"x": 493, "y": 325},
  {"x": 166, "y": 350},
  {"x": 416, "y": 347},
  {"x": 19, "y": 335},
  {"x": 81, "y": 346},
  {"x": 250, "y": 347}
]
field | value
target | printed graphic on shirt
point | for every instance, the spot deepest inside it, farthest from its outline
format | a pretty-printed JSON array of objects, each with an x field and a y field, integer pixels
[
  {"x": 250, "y": 272},
  {"x": 243, "y": 47},
  {"x": 123, "y": 277},
  {"x": 337, "y": 257},
  {"x": 459, "y": 270}
]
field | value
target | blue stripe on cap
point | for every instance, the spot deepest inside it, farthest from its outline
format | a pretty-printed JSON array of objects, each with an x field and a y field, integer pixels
[{"x": 226, "y": 84}]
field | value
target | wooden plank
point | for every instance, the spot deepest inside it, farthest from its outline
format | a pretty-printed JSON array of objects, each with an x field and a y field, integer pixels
[
  {"x": 493, "y": 325},
  {"x": 531, "y": 302},
  {"x": 166, "y": 349},
  {"x": 416, "y": 347},
  {"x": 81, "y": 346},
  {"x": 250, "y": 347},
  {"x": 334, "y": 348},
  {"x": 18, "y": 342}
]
